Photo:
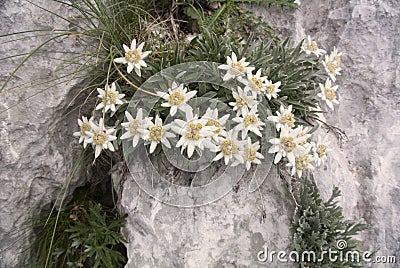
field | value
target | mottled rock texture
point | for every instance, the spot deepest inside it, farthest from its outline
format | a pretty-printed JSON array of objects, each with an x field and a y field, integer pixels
[
  {"x": 228, "y": 233},
  {"x": 36, "y": 143},
  {"x": 36, "y": 153}
]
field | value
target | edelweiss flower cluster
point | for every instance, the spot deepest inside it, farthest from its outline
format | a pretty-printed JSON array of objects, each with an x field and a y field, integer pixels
[
  {"x": 198, "y": 132},
  {"x": 100, "y": 136},
  {"x": 332, "y": 65},
  {"x": 294, "y": 143},
  {"x": 238, "y": 144},
  {"x": 208, "y": 131}
]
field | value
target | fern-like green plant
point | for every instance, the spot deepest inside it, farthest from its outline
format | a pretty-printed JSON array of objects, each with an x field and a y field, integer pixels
[
  {"x": 319, "y": 226},
  {"x": 86, "y": 236}
]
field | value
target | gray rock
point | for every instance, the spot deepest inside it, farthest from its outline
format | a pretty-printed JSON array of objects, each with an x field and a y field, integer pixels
[{"x": 37, "y": 149}]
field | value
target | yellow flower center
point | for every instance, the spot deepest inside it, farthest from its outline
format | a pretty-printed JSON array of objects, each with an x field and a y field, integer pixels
[
  {"x": 321, "y": 150},
  {"x": 338, "y": 61},
  {"x": 288, "y": 144},
  {"x": 133, "y": 126},
  {"x": 83, "y": 128},
  {"x": 194, "y": 131},
  {"x": 331, "y": 66},
  {"x": 215, "y": 124},
  {"x": 237, "y": 68},
  {"x": 156, "y": 133},
  {"x": 313, "y": 46},
  {"x": 242, "y": 102},
  {"x": 229, "y": 147},
  {"x": 250, "y": 119},
  {"x": 288, "y": 119},
  {"x": 302, "y": 134},
  {"x": 133, "y": 56},
  {"x": 176, "y": 98},
  {"x": 257, "y": 82},
  {"x": 100, "y": 137},
  {"x": 330, "y": 93},
  {"x": 109, "y": 97},
  {"x": 250, "y": 154},
  {"x": 302, "y": 162},
  {"x": 271, "y": 88}
]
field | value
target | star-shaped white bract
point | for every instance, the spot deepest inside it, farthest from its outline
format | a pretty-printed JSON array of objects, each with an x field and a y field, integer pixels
[
  {"x": 284, "y": 117},
  {"x": 84, "y": 129},
  {"x": 244, "y": 101},
  {"x": 250, "y": 153},
  {"x": 328, "y": 93},
  {"x": 249, "y": 122},
  {"x": 312, "y": 48},
  {"x": 287, "y": 145},
  {"x": 134, "y": 57},
  {"x": 229, "y": 148},
  {"x": 211, "y": 118},
  {"x": 235, "y": 68},
  {"x": 158, "y": 133},
  {"x": 176, "y": 98},
  {"x": 101, "y": 137},
  {"x": 272, "y": 89},
  {"x": 135, "y": 128},
  {"x": 336, "y": 56},
  {"x": 320, "y": 149},
  {"x": 110, "y": 97},
  {"x": 194, "y": 133},
  {"x": 332, "y": 66},
  {"x": 301, "y": 131},
  {"x": 302, "y": 162},
  {"x": 255, "y": 83}
]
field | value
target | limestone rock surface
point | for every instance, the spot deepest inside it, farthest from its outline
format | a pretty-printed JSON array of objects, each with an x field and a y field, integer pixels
[{"x": 37, "y": 149}]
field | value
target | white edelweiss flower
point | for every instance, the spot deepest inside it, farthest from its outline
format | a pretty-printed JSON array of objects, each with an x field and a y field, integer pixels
[
  {"x": 287, "y": 145},
  {"x": 134, "y": 57},
  {"x": 332, "y": 67},
  {"x": 235, "y": 68},
  {"x": 135, "y": 127},
  {"x": 300, "y": 132},
  {"x": 158, "y": 133},
  {"x": 194, "y": 133},
  {"x": 110, "y": 97},
  {"x": 250, "y": 153},
  {"x": 272, "y": 89},
  {"x": 328, "y": 93},
  {"x": 320, "y": 148},
  {"x": 249, "y": 122},
  {"x": 302, "y": 162},
  {"x": 84, "y": 129},
  {"x": 255, "y": 83},
  {"x": 212, "y": 119},
  {"x": 101, "y": 137},
  {"x": 229, "y": 148},
  {"x": 336, "y": 56},
  {"x": 176, "y": 98},
  {"x": 243, "y": 101},
  {"x": 284, "y": 117},
  {"x": 312, "y": 47}
]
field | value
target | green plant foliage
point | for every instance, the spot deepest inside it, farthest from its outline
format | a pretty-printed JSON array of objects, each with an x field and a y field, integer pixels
[
  {"x": 319, "y": 225},
  {"x": 221, "y": 16},
  {"x": 85, "y": 236}
]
